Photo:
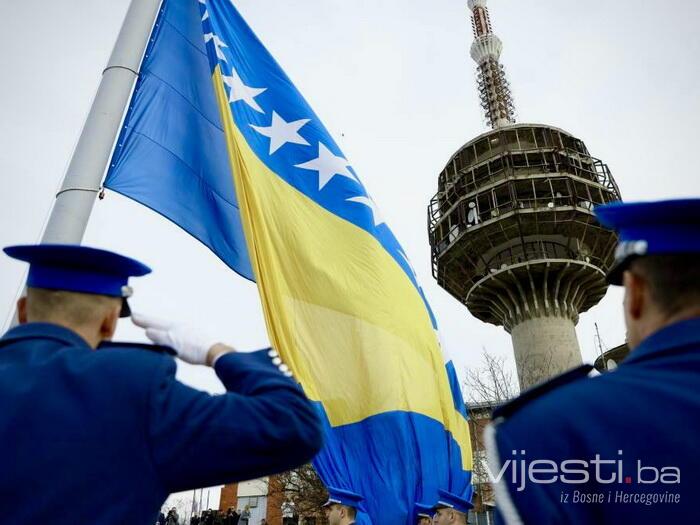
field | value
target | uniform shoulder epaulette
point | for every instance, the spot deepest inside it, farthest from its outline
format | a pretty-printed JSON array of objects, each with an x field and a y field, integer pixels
[
  {"x": 161, "y": 349},
  {"x": 538, "y": 390}
]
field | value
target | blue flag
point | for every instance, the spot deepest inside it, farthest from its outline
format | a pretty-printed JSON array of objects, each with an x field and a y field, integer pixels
[{"x": 219, "y": 140}]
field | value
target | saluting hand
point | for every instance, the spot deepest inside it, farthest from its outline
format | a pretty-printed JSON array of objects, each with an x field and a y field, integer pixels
[{"x": 191, "y": 346}]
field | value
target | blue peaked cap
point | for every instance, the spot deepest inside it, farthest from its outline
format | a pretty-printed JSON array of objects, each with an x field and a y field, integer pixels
[
  {"x": 76, "y": 268},
  {"x": 651, "y": 228},
  {"x": 344, "y": 497},
  {"x": 452, "y": 501},
  {"x": 422, "y": 511}
]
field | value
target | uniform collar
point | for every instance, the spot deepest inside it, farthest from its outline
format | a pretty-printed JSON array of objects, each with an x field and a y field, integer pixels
[
  {"x": 45, "y": 331},
  {"x": 676, "y": 335}
]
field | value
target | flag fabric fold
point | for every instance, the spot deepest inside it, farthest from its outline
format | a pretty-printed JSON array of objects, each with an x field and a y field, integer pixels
[
  {"x": 171, "y": 153},
  {"x": 341, "y": 301}
]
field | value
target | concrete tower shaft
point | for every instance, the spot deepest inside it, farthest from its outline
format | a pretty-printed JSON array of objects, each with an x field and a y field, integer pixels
[{"x": 494, "y": 90}]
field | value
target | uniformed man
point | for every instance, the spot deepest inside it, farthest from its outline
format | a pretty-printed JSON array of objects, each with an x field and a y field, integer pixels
[
  {"x": 621, "y": 447},
  {"x": 107, "y": 427},
  {"x": 423, "y": 514},
  {"x": 342, "y": 506},
  {"x": 451, "y": 509}
]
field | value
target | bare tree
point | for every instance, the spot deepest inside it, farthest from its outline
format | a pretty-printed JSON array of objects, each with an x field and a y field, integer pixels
[
  {"x": 304, "y": 488},
  {"x": 485, "y": 388},
  {"x": 182, "y": 505},
  {"x": 491, "y": 383}
]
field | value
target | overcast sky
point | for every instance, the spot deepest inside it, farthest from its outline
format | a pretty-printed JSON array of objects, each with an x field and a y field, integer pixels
[{"x": 393, "y": 81}]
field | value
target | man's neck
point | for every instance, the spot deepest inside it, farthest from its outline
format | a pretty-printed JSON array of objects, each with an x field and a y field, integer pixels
[
  {"x": 664, "y": 321},
  {"x": 90, "y": 336},
  {"x": 684, "y": 315},
  {"x": 678, "y": 317}
]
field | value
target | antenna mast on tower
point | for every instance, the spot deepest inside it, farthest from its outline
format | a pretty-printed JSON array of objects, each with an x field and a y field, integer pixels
[{"x": 494, "y": 90}]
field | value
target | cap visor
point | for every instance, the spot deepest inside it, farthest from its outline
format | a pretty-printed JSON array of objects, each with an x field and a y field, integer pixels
[
  {"x": 125, "y": 311},
  {"x": 614, "y": 275}
]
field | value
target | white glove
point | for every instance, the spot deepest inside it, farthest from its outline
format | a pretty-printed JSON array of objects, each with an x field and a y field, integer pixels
[{"x": 190, "y": 345}]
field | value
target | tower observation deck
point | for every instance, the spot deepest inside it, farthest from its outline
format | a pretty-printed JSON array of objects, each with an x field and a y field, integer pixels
[{"x": 512, "y": 230}]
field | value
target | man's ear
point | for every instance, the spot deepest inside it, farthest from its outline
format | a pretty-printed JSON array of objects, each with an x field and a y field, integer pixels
[
  {"x": 22, "y": 310},
  {"x": 109, "y": 323},
  {"x": 635, "y": 294}
]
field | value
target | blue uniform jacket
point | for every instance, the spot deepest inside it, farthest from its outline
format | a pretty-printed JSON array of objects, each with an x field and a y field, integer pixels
[
  {"x": 104, "y": 436},
  {"x": 641, "y": 420}
]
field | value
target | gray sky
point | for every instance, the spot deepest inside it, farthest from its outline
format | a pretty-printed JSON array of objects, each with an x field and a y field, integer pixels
[{"x": 393, "y": 81}]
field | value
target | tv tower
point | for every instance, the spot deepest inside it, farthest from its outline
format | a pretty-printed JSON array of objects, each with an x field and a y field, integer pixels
[{"x": 511, "y": 228}]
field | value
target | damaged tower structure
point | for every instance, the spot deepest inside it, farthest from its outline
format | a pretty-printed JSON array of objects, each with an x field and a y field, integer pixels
[{"x": 512, "y": 229}]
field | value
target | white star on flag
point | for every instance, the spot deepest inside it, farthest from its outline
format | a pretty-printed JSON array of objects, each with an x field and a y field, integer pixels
[
  {"x": 281, "y": 132},
  {"x": 362, "y": 199},
  {"x": 206, "y": 13},
  {"x": 327, "y": 165},
  {"x": 218, "y": 44},
  {"x": 239, "y": 91}
]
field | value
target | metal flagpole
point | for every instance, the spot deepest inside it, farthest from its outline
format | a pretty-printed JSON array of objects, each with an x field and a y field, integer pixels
[{"x": 83, "y": 178}]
